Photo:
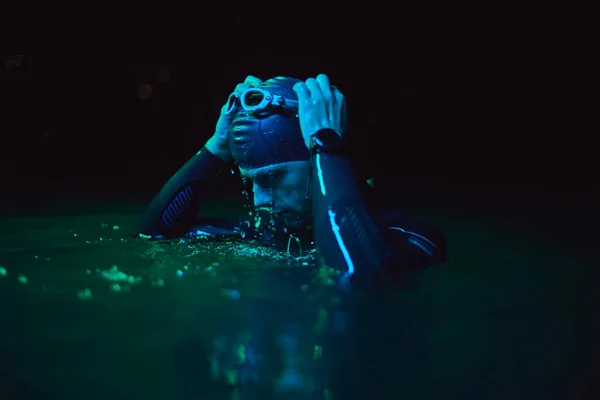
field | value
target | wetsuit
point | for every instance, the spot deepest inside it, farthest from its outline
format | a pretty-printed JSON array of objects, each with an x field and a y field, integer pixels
[{"x": 355, "y": 234}]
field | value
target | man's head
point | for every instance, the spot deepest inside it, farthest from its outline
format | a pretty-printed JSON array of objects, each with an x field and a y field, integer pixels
[{"x": 267, "y": 145}]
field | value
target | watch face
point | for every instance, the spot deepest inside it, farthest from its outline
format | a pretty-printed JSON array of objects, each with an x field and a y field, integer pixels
[{"x": 326, "y": 138}]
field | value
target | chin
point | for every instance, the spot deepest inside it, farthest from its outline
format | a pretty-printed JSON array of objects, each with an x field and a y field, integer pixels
[{"x": 294, "y": 222}]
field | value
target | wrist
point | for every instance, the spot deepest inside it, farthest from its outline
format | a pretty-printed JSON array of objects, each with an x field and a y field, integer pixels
[
  {"x": 219, "y": 148},
  {"x": 326, "y": 141}
]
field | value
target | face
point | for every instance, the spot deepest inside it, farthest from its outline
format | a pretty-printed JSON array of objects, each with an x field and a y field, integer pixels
[{"x": 284, "y": 190}]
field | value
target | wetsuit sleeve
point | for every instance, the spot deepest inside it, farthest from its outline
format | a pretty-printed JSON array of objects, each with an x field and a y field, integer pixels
[
  {"x": 173, "y": 210},
  {"x": 345, "y": 233},
  {"x": 351, "y": 240}
]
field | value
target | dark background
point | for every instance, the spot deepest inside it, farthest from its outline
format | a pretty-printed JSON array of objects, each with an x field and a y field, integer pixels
[
  {"x": 484, "y": 119},
  {"x": 491, "y": 124}
]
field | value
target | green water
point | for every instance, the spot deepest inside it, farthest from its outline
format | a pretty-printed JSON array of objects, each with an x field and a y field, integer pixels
[{"x": 512, "y": 315}]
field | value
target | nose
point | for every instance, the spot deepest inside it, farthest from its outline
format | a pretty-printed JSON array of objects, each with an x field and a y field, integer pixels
[{"x": 262, "y": 196}]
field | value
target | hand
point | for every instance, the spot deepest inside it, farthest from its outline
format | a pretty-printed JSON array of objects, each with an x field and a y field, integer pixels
[
  {"x": 218, "y": 144},
  {"x": 321, "y": 106}
]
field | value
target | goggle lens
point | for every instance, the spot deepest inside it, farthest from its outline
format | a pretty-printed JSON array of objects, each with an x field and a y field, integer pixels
[
  {"x": 252, "y": 98},
  {"x": 258, "y": 100}
]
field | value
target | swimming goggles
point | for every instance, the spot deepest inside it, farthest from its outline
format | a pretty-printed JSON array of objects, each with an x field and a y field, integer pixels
[{"x": 259, "y": 100}]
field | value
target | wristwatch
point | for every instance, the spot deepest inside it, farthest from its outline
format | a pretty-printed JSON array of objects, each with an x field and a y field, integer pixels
[{"x": 326, "y": 141}]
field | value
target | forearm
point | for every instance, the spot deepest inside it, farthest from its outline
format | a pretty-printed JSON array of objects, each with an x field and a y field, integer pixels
[
  {"x": 345, "y": 233},
  {"x": 172, "y": 211}
]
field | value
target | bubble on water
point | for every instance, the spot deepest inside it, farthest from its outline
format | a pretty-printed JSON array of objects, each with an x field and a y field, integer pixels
[
  {"x": 84, "y": 294},
  {"x": 232, "y": 376},
  {"x": 158, "y": 283},
  {"x": 253, "y": 250},
  {"x": 115, "y": 287},
  {"x": 114, "y": 275}
]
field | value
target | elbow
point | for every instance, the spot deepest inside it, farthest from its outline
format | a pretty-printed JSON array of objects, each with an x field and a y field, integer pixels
[{"x": 354, "y": 254}]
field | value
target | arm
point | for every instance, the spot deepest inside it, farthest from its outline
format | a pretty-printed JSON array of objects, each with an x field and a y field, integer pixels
[
  {"x": 173, "y": 210},
  {"x": 345, "y": 233},
  {"x": 352, "y": 241}
]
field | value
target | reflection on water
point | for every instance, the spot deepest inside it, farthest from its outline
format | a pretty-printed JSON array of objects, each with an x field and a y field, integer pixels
[{"x": 89, "y": 310}]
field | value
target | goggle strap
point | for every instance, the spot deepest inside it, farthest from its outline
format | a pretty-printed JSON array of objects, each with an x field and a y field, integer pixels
[{"x": 283, "y": 102}]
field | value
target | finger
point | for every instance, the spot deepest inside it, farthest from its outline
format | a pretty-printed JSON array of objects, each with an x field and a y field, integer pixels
[
  {"x": 344, "y": 117},
  {"x": 241, "y": 88},
  {"x": 323, "y": 81},
  {"x": 232, "y": 104},
  {"x": 339, "y": 96},
  {"x": 302, "y": 92},
  {"x": 340, "y": 101},
  {"x": 252, "y": 81},
  {"x": 313, "y": 87}
]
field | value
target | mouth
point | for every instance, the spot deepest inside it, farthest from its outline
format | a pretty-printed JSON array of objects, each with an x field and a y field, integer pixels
[{"x": 242, "y": 123}]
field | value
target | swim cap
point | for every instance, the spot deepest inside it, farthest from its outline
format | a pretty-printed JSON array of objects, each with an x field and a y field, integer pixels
[{"x": 269, "y": 135}]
